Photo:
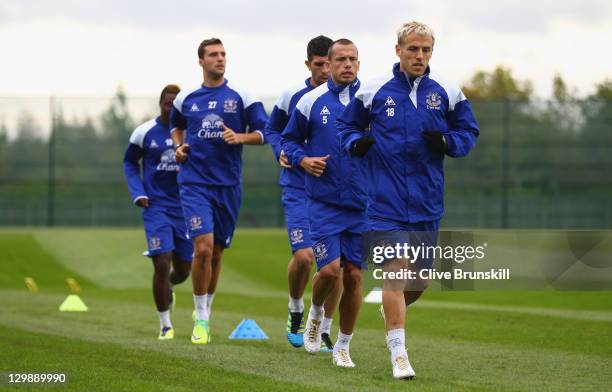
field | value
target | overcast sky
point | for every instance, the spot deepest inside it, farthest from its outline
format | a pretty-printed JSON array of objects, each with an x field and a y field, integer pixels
[{"x": 89, "y": 47}]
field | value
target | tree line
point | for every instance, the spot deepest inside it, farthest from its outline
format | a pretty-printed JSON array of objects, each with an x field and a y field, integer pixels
[{"x": 563, "y": 140}]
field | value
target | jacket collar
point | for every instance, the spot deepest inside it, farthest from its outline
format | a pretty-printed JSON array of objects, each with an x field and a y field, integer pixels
[
  {"x": 337, "y": 88},
  {"x": 409, "y": 80},
  {"x": 214, "y": 88}
]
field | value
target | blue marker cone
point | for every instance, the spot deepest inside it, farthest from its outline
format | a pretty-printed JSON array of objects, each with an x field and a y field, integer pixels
[{"x": 248, "y": 330}]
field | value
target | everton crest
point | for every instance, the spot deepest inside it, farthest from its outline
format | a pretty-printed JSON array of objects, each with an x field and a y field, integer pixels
[
  {"x": 195, "y": 222},
  {"x": 230, "y": 106},
  {"x": 433, "y": 101},
  {"x": 297, "y": 236},
  {"x": 154, "y": 243}
]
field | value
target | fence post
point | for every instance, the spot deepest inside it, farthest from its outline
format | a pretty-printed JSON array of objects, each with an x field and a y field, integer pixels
[
  {"x": 51, "y": 167},
  {"x": 505, "y": 162}
]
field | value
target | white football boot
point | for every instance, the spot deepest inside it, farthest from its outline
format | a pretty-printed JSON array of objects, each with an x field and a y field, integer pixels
[
  {"x": 341, "y": 358},
  {"x": 312, "y": 335},
  {"x": 402, "y": 368}
]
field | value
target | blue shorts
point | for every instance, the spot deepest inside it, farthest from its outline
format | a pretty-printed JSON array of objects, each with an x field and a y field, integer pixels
[
  {"x": 416, "y": 234},
  {"x": 166, "y": 232},
  {"x": 336, "y": 233},
  {"x": 296, "y": 218},
  {"x": 211, "y": 209}
]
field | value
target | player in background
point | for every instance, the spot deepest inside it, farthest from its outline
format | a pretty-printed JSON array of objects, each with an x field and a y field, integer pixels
[
  {"x": 336, "y": 196},
  {"x": 294, "y": 200},
  {"x": 415, "y": 118},
  {"x": 156, "y": 192},
  {"x": 210, "y": 124}
]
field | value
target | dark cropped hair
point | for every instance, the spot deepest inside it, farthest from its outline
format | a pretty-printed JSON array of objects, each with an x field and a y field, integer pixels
[
  {"x": 318, "y": 46},
  {"x": 205, "y": 43},
  {"x": 169, "y": 89},
  {"x": 341, "y": 41}
]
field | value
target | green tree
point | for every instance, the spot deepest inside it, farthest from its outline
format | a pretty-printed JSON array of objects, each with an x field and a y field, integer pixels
[
  {"x": 560, "y": 90},
  {"x": 3, "y": 133},
  {"x": 563, "y": 111},
  {"x": 596, "y": 136},
  {"x": 603, "y": 90},
  {"x": 117, "y": 124},
  {"x": 28, "y": 130},
  {"x": 28, "y": 152},
  {"x": 498, "y": 84},
  {"x": 74, "y": 131}
]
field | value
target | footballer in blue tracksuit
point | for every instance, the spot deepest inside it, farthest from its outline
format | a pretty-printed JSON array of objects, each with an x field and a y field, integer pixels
[
  {"x": 210, "y": 124},
  {"x": 294, "y": 199},
  {"x": 156, "y": 192},
  {"x": 408, "y": 120},
  {"x": 336, "y": 196}
]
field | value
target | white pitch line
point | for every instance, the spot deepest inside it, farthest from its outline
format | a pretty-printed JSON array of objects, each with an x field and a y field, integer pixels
[{"x": 591, "y": 315}]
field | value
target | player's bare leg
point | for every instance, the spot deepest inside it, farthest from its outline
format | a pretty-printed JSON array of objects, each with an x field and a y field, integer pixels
[
  {"x": 395, "y": 299},
  {"x": 161, "y": 280},
  {"x": 201, "y": 266},
  {"x": 201, "y": 272},
  {"x": 178, "y": 274},
  {"x": 214, "y": 279},
  {"x": 161, "y": 289},
  {"x": 329, "y": 306},
  {"x": 411, "y": 296},
  {"x": 298, "y": 273},
  {"x": 394, "y": 306},
  {"x": 350, "y": 303},
  {"x": 322, "y": 285},
  {"x": 180, "y": 270}
]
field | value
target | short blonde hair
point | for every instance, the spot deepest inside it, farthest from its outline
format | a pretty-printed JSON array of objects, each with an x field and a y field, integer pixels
[{"x": 416, "y": 28}]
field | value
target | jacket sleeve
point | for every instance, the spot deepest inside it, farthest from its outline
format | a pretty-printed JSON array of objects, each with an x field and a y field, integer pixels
[
  {"x": 463, "y": 130},
  {"x": 177, "y": 120},
  {"x": 274, "y": 127},
  {"x": 131, "y": 169},
  {"x": 352, "y": 122},
  {"x": 257, "y": 118},
  {"x": 293, "y": 137}
]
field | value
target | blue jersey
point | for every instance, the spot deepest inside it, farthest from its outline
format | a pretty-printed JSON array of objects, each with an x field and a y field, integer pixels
[
  {"x": 407, "y": 178},
  {"x": 312, "y": 132},
  {"x": 277, "y": 122},
  {"x": 152, "y": 143},
  {"x": 200, "y": 113}
]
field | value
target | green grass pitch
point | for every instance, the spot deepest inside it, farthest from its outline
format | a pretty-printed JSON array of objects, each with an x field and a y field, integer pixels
[{"x": 458, "y": 341}]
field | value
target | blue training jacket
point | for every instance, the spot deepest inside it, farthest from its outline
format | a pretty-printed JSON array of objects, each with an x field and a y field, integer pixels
[
  {"x": 151, "y": 143},
  {"x": 406, "y": 177},
  {"x": 312, "y": 132},
  {"x": 278, "y": 120},
  {"x": 200, "y": 113}
]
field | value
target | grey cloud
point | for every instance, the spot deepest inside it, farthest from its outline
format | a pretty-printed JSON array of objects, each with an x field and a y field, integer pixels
[
  {"x": 240, "y": 16},
  {"x": 526, "y": 16},
  {"x": 293, "y": 18}
]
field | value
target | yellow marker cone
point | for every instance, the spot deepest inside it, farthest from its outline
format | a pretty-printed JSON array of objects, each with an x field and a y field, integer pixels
[
  {"x": 73, "y": 285},
  {"x": 73, "y": 303},
  {"x": 31, "y": 284}
]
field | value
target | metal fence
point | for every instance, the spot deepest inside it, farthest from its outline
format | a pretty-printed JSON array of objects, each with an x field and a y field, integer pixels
[{"x": 541, "y": 164}]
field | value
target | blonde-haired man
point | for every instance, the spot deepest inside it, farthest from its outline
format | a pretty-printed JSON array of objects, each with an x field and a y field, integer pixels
[{"x": 415, "y": 118}]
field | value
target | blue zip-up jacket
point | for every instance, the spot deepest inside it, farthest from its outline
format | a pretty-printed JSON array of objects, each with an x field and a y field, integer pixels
[
  {"x": 151, "y": 143},
  {"x": 312, "y": 132},
  {"x": 406, "y": 177},
  {"x": 200, "y": 113},
  {"x": 278, "y": 120}
]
